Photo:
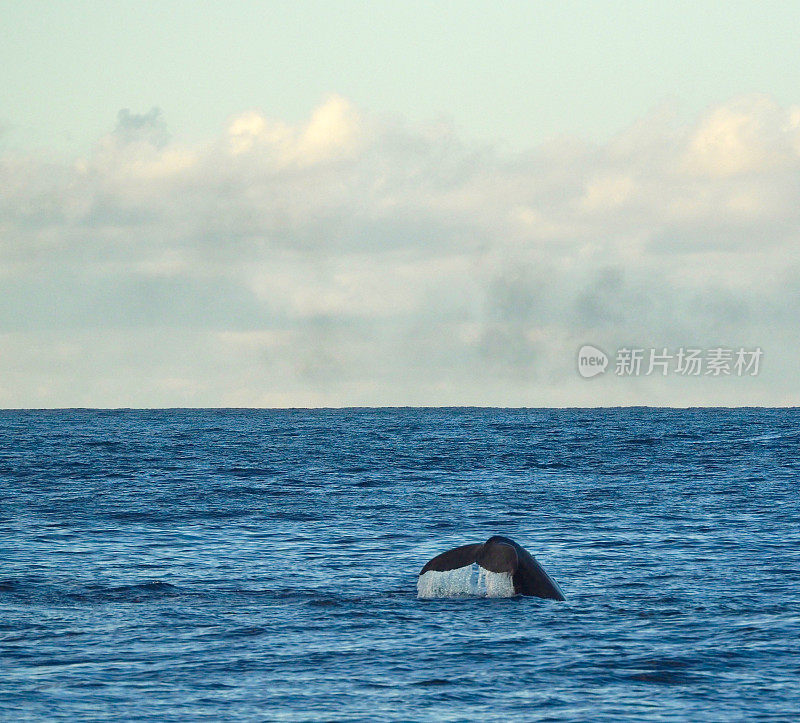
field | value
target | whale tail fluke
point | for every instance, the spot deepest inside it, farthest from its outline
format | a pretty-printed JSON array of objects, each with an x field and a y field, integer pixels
[
  {"x": 505, "y": 568},
  {"x": 452, "y": 559}
]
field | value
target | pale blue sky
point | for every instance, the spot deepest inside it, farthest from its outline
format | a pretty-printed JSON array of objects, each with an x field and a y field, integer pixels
[
  {"x": 512, "y": 72},
  {"x": 394, "y": 203}
]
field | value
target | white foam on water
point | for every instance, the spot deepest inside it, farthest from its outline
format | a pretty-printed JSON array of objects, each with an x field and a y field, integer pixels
[{"x": 468, "y": 581}]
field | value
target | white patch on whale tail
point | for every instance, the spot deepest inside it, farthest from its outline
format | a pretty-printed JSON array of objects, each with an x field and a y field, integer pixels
[{"x": 469, "y": 581}]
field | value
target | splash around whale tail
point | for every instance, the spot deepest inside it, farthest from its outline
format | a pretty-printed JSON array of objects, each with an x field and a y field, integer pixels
[
  {"x": 498, "y": 567},
  {"x": 468, "y": 581}
]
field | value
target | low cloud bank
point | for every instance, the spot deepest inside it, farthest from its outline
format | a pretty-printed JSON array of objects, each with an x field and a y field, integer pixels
[{"x": 352, "y": 260}]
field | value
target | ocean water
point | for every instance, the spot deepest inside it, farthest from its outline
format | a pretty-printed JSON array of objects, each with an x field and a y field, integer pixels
[{"x": 189, "y": 565}]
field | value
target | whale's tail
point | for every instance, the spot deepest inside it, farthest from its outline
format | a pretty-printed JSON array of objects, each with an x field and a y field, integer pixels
[{"x": 504, "y": 569}]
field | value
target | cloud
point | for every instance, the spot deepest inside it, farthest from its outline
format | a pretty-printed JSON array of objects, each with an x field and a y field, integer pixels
[
  {"x": 349, "y": 259},
  {"x": 147, "y": 128},
  {"x": 750, "y": 135},
  {"x": 332, "y": 132}
]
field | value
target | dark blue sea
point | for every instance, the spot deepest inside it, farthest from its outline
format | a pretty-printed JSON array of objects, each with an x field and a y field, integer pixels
[{"x": 225, "y": 565}]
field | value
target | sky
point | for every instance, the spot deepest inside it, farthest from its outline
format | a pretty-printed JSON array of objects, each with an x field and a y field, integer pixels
[{"x": 334, "y": 204}]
